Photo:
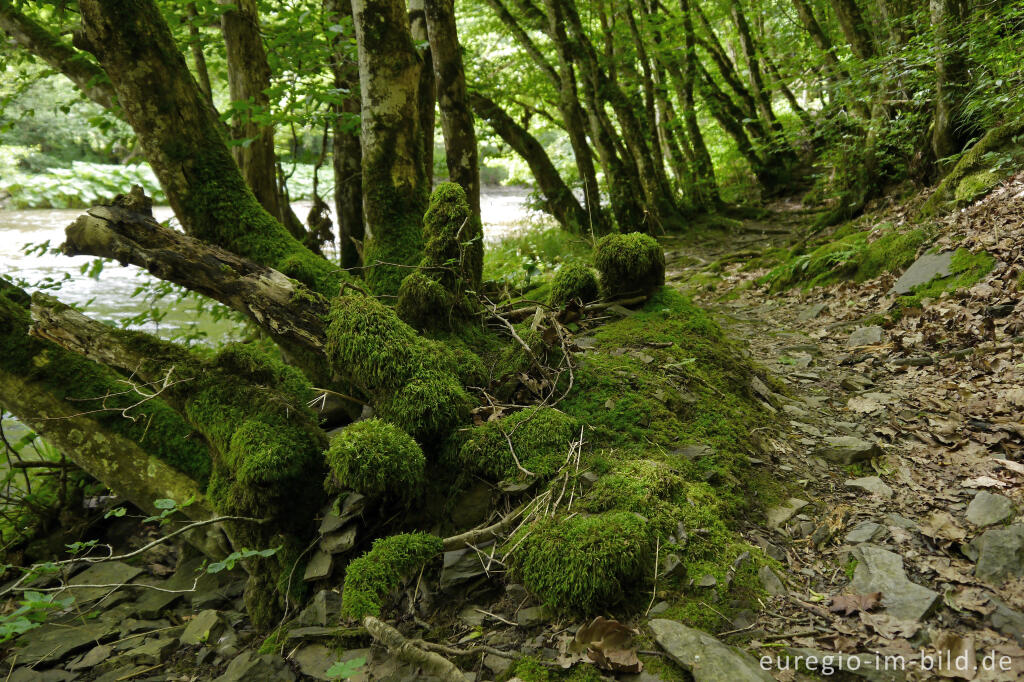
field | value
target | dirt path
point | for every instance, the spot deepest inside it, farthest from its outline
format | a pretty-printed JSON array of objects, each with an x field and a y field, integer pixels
[{"x": 911, "y": 521}]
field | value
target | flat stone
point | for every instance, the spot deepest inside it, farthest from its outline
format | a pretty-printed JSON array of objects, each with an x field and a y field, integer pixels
[
  {"x": 92, "y": 658},
  {"x": 865, "y": 532},
  {"x": 1000, "y": 554},
  {"x": 323, "y": 606},
  {"x": 879, "y": 570},
  {"x": 314, "y": 660},
  {"x": 461, "y": 565},
  {"x": 52, "y": 642},
  {"x": 203, "y": 628},
  {"x": 811, "y": 312},
  {"x": 340, "y": 541},
  {"x": 153, "y": 651},
  {"x": 660, "y": 607},
  {"x": 532, "y": 616},
  {"x": 872, "y": 484},
  {"x": 779, "y": 515},
  {"x": 847, "y": 450},
  {"x": 1007, "y": 620},
  {"x": 473, "y": 506},
  {"x": 319, "y": 566},
  {"x": 27, "y": 674},
  {"x": 987, "y": 509},
  {"x": 771, "y": 582},
  {"x": 340, "y": 511},
  {"x": 923, "y": 270},
  {"x": 703, "y": 656},
  {"x": 865, "y": 336},
  {"x": 106, "y": 573},
  {"x": 898, "y": 521},
  {"x": 249, "y": 665},
  {"x": 152, "y": 602}
]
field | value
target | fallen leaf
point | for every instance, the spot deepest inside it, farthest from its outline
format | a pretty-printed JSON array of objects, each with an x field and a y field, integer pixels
[
  {"x": 888, "y": 626},
  {"x": 941, "y": 526},
  {"x": 849, "y": 604},
  {"x": 609, "y": 644}
]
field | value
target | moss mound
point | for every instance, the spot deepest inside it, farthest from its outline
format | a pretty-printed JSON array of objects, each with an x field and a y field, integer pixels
[
  {"x": 574, "y": 280},
  {"x": 376, "y": 459},
  {"x": 370, "y": 578},
  {"x": 430, "y": 405},
  {"x": 975, "y": 186},
  {"x": 966, "y": 269},
  {"x": 630, "y": 264},
  {"x": 585, "y": 563},
  {"x": 453, "y": 238},
  {"x": 423, "y": 303},
  {"x": 540, "y": 436}
]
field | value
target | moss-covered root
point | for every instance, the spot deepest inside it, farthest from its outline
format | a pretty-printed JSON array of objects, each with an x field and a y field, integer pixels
[
  {"x": 376, "y": 459},
  {"x": 629, "y": 264},
  {"x": 412, "y": 381},
  {"x": 372, "y": 577},
  {"x": 540, "y": 436},
  {"x": 573, "y": 281},
  {"x": 424, "y": 303},
  {"x": 585, "y": 564}
]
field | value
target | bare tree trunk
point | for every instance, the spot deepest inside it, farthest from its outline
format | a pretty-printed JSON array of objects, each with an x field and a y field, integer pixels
[
  {"x": 948, "y": 18},
  {"x": 248, "y": 80},
  {"x": 195, "y": 43},
  {"x": 348, "y": 156},
  {"x": 395, "y": 178},
  {"x": 456, "y": 116},
  {"x": 854, "y": 28}
]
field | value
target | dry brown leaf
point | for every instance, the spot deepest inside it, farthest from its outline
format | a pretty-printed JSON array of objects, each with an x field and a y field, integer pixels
[
  {"x": 889, "y": 627},
  {"x": 941, "y": 526},
  {"x": 954, "y": 654},
  {"x": 849, "y": 604},
  {"x": 609, "y": 644}
]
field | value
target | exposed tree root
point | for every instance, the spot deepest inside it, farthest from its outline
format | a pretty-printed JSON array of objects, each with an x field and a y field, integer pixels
[{"x": 403, "y": 649}]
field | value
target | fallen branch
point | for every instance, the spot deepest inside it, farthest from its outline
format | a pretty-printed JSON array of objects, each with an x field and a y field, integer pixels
[
  {"x": 478, "y": 535},
  {"x": 400, "y": 647},
  {"x": 522, "y": 313}
]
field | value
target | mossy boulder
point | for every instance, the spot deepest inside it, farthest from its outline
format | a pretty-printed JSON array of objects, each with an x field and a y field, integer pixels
[
  {"x": 574, "y": 280},
  {"x": 975, "y": 186},
  {"x": 376, "y": 459},
  {"x": 629, "y": 264},
  {"x": 585, "y": 563},
  {"x": 424, "y": 303},
  {"x": 643, "y": 486},
  {"x": 540, "y": 436},
  {"x": 372, "y": 577}
]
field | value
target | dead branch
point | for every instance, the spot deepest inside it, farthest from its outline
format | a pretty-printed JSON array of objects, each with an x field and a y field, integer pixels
[{"x": 403, "y": 649}]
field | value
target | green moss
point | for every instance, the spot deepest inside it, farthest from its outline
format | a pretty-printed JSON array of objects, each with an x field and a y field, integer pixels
[
  {"x": 453, "y": 238},
  {"x": 370, "y": 578},
  {"x": 376, "y": 459},
  {"x": 585, "y": 563},
  {"x": 975, "y": 186},
  {"x": 966, "y": 269},
  {"x": 642, "y": 486},
  {"x": 629, "y": 264},
  {"x": 574, "y": 280},
  {"x": 157, "y": 428},
  {"x": 540, "y": 436},
  {"x": 424, "y": 303}
]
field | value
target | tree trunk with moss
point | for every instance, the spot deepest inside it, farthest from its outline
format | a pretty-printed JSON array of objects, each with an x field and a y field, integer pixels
[
  {"x": 948, "y": 18},
  {"x": 395, "y": 182}
]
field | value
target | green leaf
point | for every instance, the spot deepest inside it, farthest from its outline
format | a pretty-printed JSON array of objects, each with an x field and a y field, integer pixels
[{"x": 342, "y": 670}]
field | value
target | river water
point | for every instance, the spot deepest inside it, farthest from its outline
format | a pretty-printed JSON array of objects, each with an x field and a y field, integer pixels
[{"x": 112, "y": 296}]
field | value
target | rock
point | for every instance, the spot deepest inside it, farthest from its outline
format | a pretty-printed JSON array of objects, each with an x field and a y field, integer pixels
[
  {"x": 153, "y": 651},
  {"x": 153, "y": 602},
  {"x": 872, "y": 484},
  {"x": 92, "y": 658},
  {"x": 794, "y": 411},
  {"x": 855, "y": 382},
  {"x": 865, "y": 532},
  {"x": 899, "y": 522},
  {"x": 106, "y": 573},
  {"x": 660, "y": 607},
  {"x": 811, "y": 312},
  {"x": 779, "y": 515},
  {"x": 314, "y": 660},
  {"x": 694, "y": 451},
  {"x": 31, "y": 675},
  {"x": 461, "y": 565},
  {"x": 865, "y": 336},
  {"x": 847, "y": 450},
  {"x": 322, "y": 607},
  {"x": 532, "y": 616},
  {"x": 1006, "y": 620},
  {"x": 203, "y": 629},
  {"x": 1000, "y": 554},
  {"x": 319, "y": 566},
  {"x": 340, "y": 541},
  {"x": 669, "y": 565},
  {"x": 923, "y": 270},
  {"x": 703, "y": 656},
  {"x": 54, "y": 642},
  {"x": 707, "y": 580},
  {"x": 249, "y": 665},
  {"x": 771, "y": 582},
  {"x": 987, "y": 509},
  {"x": 471, "y": 616},
  {"x": 496, "y": 664},
  {"x": 868, "y": 666},
  {"x": 879, "y": 570},
  {"x": 340, "y": 511}
]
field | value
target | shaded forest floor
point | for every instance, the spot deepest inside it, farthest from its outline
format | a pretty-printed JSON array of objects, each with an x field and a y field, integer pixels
[{"x": 922, "y": 503}]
